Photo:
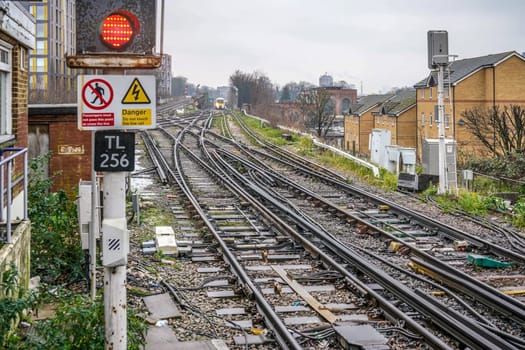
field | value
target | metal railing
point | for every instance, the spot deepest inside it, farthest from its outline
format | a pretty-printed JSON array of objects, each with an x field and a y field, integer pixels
[{"x": 8, "y": 182}]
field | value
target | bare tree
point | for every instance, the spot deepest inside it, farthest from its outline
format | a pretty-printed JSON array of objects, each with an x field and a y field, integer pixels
[
  {"x": 501, "y": 130},
  {"x": 253, "y": 88},
  {"x": 318, "y": 107}
]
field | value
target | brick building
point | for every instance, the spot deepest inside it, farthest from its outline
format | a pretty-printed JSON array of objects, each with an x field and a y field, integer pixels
[
  {"x": 398, "y": 115},
  {"x": 343, "y": 98},
  {"x": 359, "y": 122},
  {"x": 16, "y": 39},
  {"x": 53, "y": 128},
  {"x": 486, "y": 81},
  {"x": 17, "y": 28}
]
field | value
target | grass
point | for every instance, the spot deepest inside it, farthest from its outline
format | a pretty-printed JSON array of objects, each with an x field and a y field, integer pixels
[
  {"x": 479, "y": 202},
  {"x": 269, "y": 133},
  {"x": 305, "y": 147}
]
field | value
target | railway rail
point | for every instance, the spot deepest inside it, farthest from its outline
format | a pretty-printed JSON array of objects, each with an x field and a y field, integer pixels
[{"x": 272, "y": 214}]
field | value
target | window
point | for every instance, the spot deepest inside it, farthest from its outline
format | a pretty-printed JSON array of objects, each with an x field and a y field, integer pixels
[
  {"x": 41, "y": 64},
  {"x": 423, "y": 93},
  {"x": 447, "y": 95},
  {"x": 447, "y": 121},
  {"x": 422, "y": 119},
  {"x": 430, "y": 119},
  {"x": 346, "y": 105},
  {"x": 41, "y": 47},
  {"x": 430, "y": 93},
  {"x": 41, "y": 30},
  {"x": 5, "y": 90},
  {"x": 23, "y": 59},
  {"x": 41, "y": 12},
  {"x": 393, "y": 121}
]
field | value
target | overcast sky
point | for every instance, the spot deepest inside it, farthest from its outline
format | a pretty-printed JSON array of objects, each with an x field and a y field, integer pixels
[{"x": 379, "y": 43}]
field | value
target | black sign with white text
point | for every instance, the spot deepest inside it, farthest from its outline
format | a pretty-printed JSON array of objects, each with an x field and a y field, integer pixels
[{"x": 114, "y": 151}]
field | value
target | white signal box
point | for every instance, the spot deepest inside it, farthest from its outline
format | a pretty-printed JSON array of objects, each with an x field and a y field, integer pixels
[
  {"x": 115, "y": 242},
  {"x": 84, "y": 212}
]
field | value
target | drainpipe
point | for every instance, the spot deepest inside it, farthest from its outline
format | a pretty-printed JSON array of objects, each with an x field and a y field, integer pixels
[
  {"x": 417, "y": 131},
  {"x": 359, "y": 135},
  {"x": 494, "y": 102},
  {"x": 397, "y": 130}
]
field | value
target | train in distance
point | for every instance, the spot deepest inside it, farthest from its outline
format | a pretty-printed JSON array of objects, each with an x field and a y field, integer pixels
[{"x": 220, "y": 103}]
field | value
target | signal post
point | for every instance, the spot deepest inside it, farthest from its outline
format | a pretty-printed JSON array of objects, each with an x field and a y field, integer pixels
[{"x": 115, "y": 36}]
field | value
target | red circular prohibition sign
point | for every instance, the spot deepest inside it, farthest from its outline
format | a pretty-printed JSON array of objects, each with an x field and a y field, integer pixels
[{"x": 101, "y": 96}]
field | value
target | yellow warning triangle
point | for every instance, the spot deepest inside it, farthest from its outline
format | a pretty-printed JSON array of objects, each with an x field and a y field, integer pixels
[{"x": 136, "y": 94}]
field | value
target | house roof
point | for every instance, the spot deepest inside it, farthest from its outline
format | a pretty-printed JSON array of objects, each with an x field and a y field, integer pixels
[
  {"x": 368, "y": 102},
  {"x": 399, "y": 103},
  {"x": 459, "y": 70}
]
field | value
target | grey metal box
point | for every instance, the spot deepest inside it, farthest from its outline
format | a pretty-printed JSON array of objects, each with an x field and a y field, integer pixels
[
  {"x": 430, "y": 159},
  {"x": 437, "y": 48}
]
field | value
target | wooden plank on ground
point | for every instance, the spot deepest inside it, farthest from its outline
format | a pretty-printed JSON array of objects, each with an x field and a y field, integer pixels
[{"x": 310, "y": 300}]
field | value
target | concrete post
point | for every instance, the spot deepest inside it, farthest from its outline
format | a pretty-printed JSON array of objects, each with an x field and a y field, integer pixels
[{"x": 115, "y": 250}]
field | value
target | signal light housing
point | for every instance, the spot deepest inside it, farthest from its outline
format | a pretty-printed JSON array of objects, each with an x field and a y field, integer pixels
[{"x": 118, "y": 29}]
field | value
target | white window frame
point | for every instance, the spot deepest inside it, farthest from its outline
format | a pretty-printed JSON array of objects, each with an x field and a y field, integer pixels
[
  {"x": 24, "y": 63},
  {"x": 6, "y": 123},
  {"x": 422, "y": 118},
  {"x": 430, "y": 120}
]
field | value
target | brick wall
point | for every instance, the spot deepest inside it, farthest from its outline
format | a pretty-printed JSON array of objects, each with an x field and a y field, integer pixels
[
  {"x": 503, "y": 84},
  {"x": 70, "y": 147},
  {"x": 19, "y": 95}
]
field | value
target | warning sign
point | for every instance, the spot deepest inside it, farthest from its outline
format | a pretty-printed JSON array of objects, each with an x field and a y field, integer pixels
[
  {"x": 98, "y": 120},
  {"x": 136, "y": 94},
  {"x": 136, "y": 117},
  {"x": 108, "y": 101},
  {"x": 97, "y": 94}
]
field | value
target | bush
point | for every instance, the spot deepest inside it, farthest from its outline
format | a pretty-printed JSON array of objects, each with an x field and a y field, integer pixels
[
  {"x": 510, "y": 167},
  {"x": 78, "y": 324},
  {"x": 14, "y": 301},
  {"x": 518, "y": 219},
  {"x": 56, "y": 254}
]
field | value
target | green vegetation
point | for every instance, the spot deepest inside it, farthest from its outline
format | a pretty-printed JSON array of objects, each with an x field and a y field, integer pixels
[
  {"x": 56, "y": 256},
  {"x": 78, "y": 324},
  {"x": 14, "y": 301},
  {"x": 518, "y": 219},
  {"x": 477, "y": 204},
  {"x": 306, "y": 148},
  {"x": 269, "y": 133},
  {"x": 500, "y": 173}
]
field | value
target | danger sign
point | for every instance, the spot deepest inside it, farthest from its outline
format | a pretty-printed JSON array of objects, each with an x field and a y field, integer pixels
[
  {"x": 97, "y": 94},
  {"x": 116, "y": 102},
  {"x": 136, "y": 94}
]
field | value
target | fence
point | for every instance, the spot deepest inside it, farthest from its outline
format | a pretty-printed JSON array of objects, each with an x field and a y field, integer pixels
[{"x": 8, "y": 182}]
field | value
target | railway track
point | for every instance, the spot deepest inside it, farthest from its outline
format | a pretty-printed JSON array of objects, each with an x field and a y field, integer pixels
[{"x": 280, "y": 225}]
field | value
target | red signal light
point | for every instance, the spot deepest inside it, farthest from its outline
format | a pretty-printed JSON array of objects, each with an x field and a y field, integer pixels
[{"x": 118, "y": 29}]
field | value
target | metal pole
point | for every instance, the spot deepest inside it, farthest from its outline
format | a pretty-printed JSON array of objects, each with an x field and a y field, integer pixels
[
  {"x": 94, "y": 227},
  {"x": 9, "y": 200},
  {"x": 115, "y": 294},
  {"x": 441, "y": 120},
  {"x": 26, "y": 216},
  {"x": 115, "y": 304}
]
